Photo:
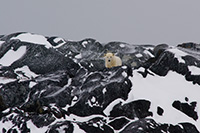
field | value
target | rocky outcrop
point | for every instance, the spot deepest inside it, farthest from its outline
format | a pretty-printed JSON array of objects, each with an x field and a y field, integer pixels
[{"x": 50, "y": 84}]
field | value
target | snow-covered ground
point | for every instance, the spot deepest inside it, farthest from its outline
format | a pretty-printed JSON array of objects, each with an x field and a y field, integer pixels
[
  {"x": 163, "y": 91},
  {"x": 12, "y": 56},
  {"x": 33, "y": 38}
]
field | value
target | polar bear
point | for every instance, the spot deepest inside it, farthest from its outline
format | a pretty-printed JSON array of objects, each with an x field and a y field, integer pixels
[{"x": 111, "y": 60}]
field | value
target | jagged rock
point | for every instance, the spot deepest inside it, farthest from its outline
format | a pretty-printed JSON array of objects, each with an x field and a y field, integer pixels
[
  {"x": 117, "y": 124},
  {"x": 186, "y": 108},
  {"x": 55, "y": 85},
  {"x": 97, "y": 125},
  {"x": 135, "y": 109},
  {"x": 65, "y": 126}
]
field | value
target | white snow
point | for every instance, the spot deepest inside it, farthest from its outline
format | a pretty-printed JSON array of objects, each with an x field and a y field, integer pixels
[
  {"x": 33, "y": 38},
  {"x": 1, "y": 42},
  {"x": 93, "y": 99},
  {"x": 31, "y": 84},
  {"x": 138, "y": 55},
  {"x": 27, "y": 73},
  {"x": 6, "y": 80},
  {"x": 178, "y": 54},
  {"x": 122, "y": 45},
  {"x": 77, "y": 129},
  {"x": 124, "y": 74},
  {"x": 35, "y": 129},
  {"x": 104, "y": 90},
  {"x": 79, "y": 56},
  {"x": 194, "y": 70},
  {"x": 163, "y": 91},
  {"x": 84, "y": 43},
  {"x": 56, "y": 40},
  {"x": 111, "y": 105},
  {"x": 12, "y": 56},
  {"x": 148, "y": 53}
]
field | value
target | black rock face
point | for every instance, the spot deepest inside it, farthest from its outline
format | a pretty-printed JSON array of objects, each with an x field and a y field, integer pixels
[
  {"x": 63, "y": 86},
  {"x": 188, "y": 109}
]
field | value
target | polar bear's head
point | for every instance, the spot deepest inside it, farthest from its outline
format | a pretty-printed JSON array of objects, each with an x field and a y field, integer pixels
[{"x": 108, "y": 57}]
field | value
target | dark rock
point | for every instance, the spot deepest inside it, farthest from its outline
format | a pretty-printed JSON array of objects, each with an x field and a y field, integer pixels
[
  {"x": 190, "y": 45},
  {"x": 96, "y": 125},
  {"x": 189, "y": 128},
  {"x": 10, "y": 93},
  {"x": 118, "y": 123},
  {"x": 58, "y": 127},
  {"x": 70, "y": 82},
  {"x": 159, "y": 49},
  {"x": 142, "y": 126},
  {"x": 135, "y": 109},
  {"x": 188, "y": 109},
  {"x": 160, "y": 111},
  {"x": 92, "y": 98}
]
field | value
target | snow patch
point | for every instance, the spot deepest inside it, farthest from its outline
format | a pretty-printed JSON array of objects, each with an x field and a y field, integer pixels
[
  {"x": 57, "y": 40},
  {"x": 84, "y": 43},
  {"x": 178, "y": 54},
  {"x": 138, "y": 55},
  {"x": 122, "y": 45},
  {"x": 6, "y": 80},
  {"x": 194, "y": 70},
  {"x": 79, "y": 56},
  {"x": 31, "y": 84},
  {"x": 12, "y": 56},
  {"x": 148, "y": 53},
  {"x": 24, "y": 73},
  {"x": 104, "y": 90},
  {"x": 33, "y": 38},
  {"x": 171, "y": 87},
  {"x": 109, "y": 108},
  {"x": 1, "y": 42}
]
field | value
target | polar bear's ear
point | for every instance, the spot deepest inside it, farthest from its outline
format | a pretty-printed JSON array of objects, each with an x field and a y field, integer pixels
[{"x": 104, "y": 55}]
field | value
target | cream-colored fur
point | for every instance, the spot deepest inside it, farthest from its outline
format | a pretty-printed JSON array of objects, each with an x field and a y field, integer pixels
[{"x": 111, "y": 60}]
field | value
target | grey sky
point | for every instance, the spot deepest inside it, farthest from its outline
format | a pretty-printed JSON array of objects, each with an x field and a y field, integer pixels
[{"x": 131, "y": 21}]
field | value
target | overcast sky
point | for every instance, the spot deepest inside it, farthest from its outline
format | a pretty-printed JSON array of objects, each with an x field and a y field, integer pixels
[{"x": 131, "y": 21}]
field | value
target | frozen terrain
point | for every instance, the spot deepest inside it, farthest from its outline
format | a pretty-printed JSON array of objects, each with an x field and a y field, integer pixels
[{"x": 50, "y": 84}]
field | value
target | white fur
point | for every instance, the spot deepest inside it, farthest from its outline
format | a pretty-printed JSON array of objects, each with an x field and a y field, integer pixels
[{"x": 112, "y": 61}]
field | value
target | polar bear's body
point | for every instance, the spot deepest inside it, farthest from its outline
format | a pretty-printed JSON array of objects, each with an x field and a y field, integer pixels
[{"x": 111, "y": 60}]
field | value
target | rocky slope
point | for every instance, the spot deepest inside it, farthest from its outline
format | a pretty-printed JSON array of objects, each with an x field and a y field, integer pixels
[{"x": 49, "y": 84}]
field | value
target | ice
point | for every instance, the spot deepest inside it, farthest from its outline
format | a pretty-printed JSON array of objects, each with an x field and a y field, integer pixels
[
  {"x": 12, "y": 56},
  {"x": 33, "y": 38}
]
